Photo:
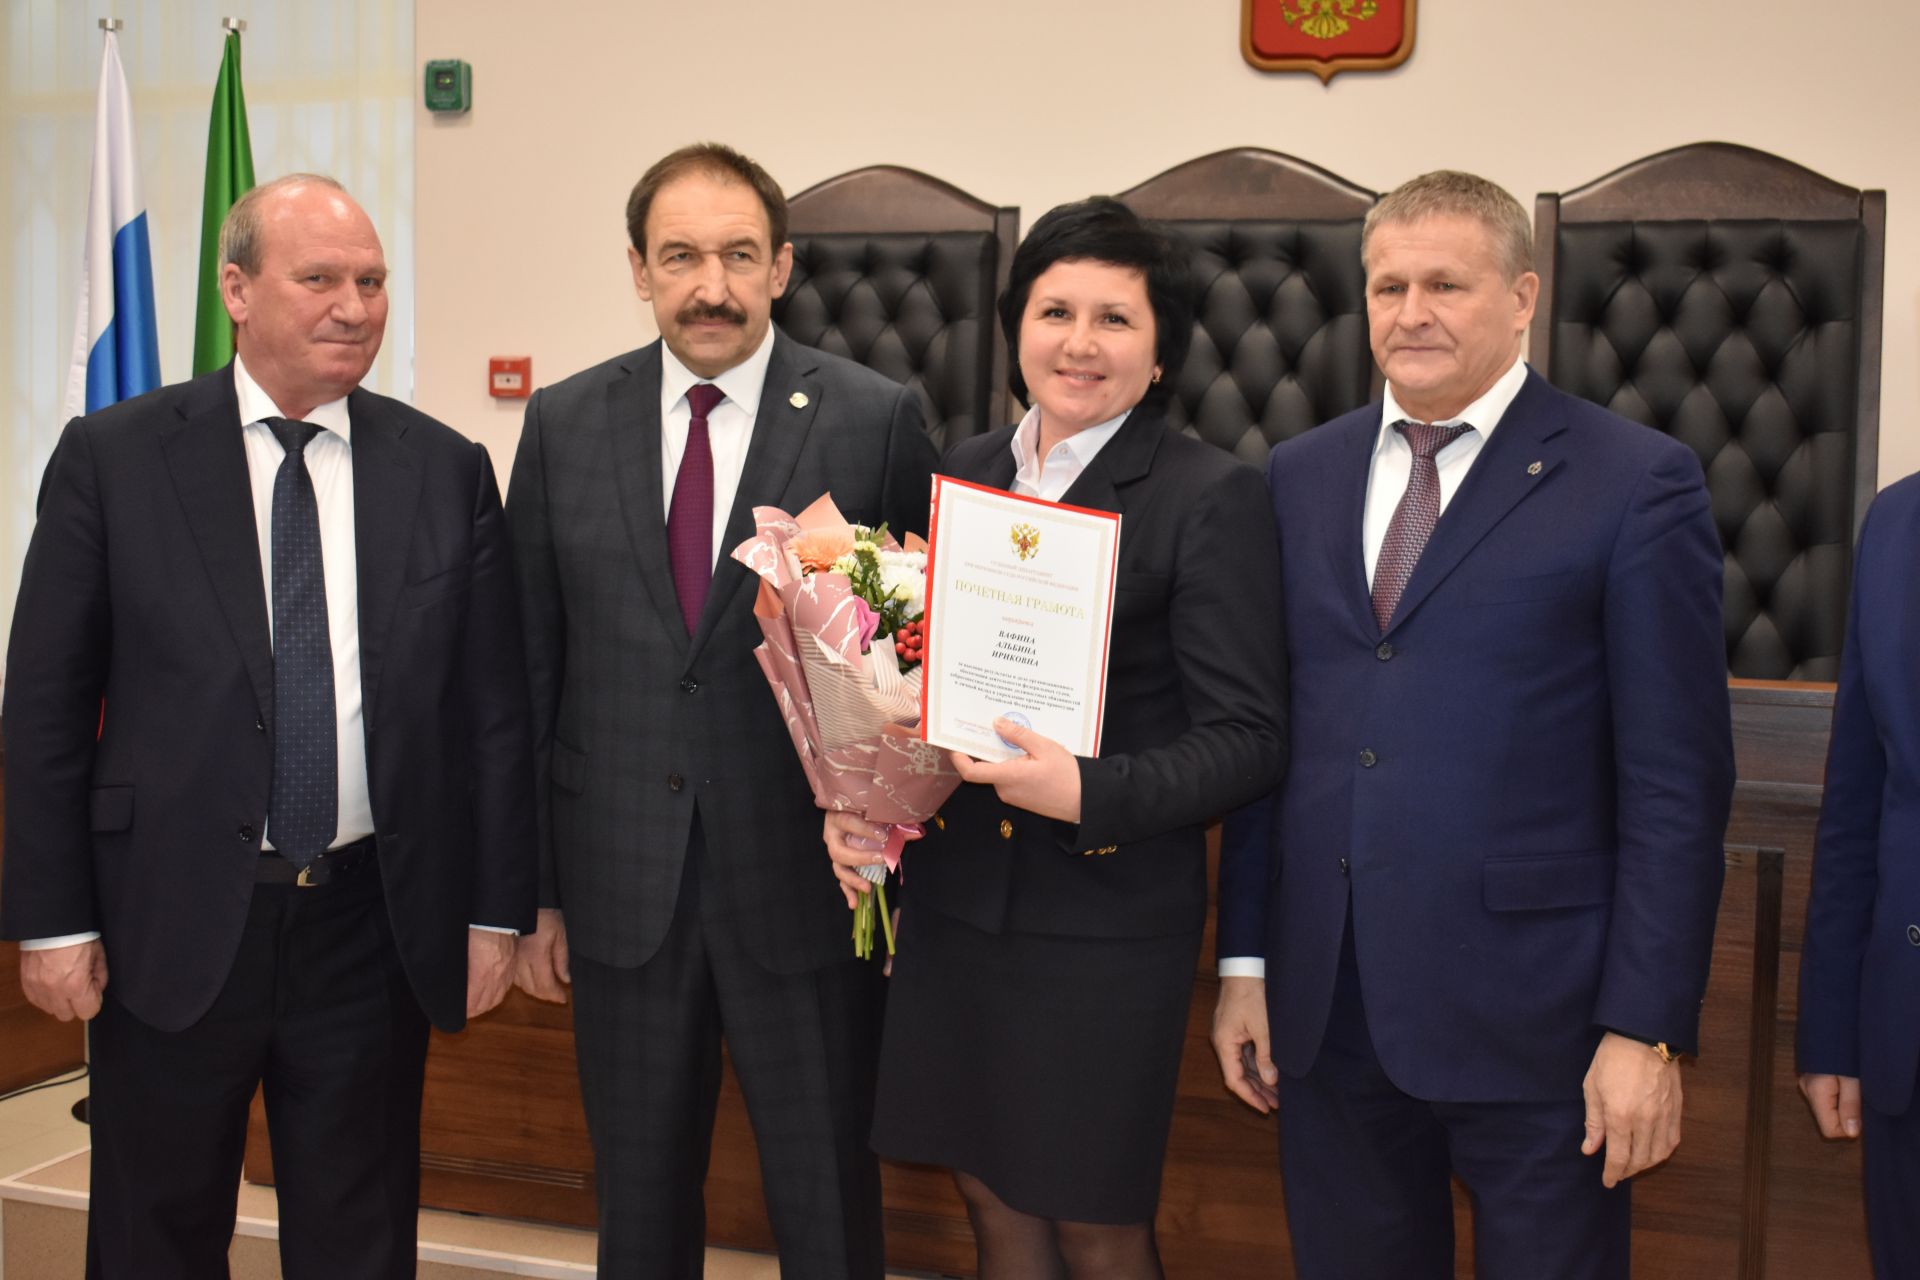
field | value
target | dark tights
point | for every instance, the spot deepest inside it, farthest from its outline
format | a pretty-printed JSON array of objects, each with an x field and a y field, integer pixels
[{"x": 1019, "y": 1246}]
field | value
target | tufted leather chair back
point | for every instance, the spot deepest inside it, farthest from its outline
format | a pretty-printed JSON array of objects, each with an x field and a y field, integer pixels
[
  {"x": 1732, "y": 299},
  {"x": 1280, "y": 314},
  {"x": 899, "y": 271}
]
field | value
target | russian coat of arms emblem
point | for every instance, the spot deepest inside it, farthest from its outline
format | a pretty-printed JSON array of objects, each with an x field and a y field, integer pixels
[{"x": 1026, "y": 541}]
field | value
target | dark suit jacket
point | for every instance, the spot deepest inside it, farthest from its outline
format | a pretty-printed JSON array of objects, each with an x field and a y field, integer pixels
[
  {"x": 1195, "y": 709},
  {"x": 143, "y": 586},
  {"x": 636, "y": 723},
  {"x": 1860, "y": 970},
  {"x": 1524, "y": 783}
]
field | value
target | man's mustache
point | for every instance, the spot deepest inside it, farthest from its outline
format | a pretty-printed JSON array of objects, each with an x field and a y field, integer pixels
[{"x": 704, "y": 313}]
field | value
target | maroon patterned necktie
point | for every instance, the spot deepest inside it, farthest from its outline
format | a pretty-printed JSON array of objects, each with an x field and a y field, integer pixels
[
  {"x": 1414, "y": 518},
  {"x": 690, "y": 517}
]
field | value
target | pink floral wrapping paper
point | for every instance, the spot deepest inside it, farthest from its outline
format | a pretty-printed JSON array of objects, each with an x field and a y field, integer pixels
[{"x": 854, "y": 718}]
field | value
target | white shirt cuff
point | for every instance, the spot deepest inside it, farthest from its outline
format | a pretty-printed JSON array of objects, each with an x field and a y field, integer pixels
[
  {"x": 64, "y": 940},
  {"x": 1243, "y": 967},
  {"x": 494, "y": 928}
]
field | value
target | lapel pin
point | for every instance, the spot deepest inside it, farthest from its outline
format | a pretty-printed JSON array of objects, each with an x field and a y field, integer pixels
[
  {"x": 798, "y": 399},
  {"x": 1534, "y": 469}
]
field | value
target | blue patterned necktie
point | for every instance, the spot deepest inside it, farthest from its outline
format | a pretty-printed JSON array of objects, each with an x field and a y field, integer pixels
[
  {"x": 303, "y": 808},
  {"x": 1414, "y": 518}
]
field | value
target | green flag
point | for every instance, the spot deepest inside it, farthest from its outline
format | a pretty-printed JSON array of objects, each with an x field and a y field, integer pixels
[{"x": 229, "y": 175}]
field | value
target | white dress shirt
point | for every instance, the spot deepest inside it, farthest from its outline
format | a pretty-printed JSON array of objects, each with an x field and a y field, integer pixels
[
  {"x": 1064, "y": 462},
  {"x": 729, "y": 427},
  {"x": 1387, "y": 483}
]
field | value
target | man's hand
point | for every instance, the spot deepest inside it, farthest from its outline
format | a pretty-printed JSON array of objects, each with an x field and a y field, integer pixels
[
  {"x": 67, "y": 982},
  {"x": 852, "y": 843},
  {"x": 1633, "y": 1107},
  {"x": 1836, "y": 1104},
  {"x": 1046, "y": 780},
  {"x": 489, "y": 969},
  {"x": 540, "y": 964},
  {"x": 1240, "y": 1042}
]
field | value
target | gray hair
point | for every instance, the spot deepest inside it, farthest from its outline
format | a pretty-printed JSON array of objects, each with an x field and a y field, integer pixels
[
  {"x": 240, "y": 233},
  {"x": 1451, "y": 193}
]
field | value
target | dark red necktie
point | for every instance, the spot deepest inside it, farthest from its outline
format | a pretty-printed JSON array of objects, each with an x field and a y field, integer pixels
[
  {"x": 690, "y": 516},
  {"x": 1414, "y": 518}
]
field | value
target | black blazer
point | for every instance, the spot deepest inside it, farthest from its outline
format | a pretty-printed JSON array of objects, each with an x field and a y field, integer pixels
[
  {"x": 1195, "y": 710},
  {"x": 636, "y": 723},
  {"x": 142, "y": 586}
]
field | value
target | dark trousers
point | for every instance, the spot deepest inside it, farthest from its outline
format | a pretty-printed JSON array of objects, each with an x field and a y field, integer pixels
[
  {"x": 318, "y": 1010},
  {"x": 1366, "y": 1170},
  {"x": 1890, "y": 1158},
  {"x": 803, "y": 1047}
]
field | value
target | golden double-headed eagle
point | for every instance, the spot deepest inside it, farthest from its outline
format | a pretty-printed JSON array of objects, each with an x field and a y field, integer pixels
[{"x": 1325, "y": 19}]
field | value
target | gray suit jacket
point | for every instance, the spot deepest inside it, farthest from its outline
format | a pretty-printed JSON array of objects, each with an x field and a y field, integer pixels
[{"x": 637, "y": 725}]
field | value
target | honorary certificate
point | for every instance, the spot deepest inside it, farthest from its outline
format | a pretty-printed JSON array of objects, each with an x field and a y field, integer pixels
[{"x": 1019, "y": 610}]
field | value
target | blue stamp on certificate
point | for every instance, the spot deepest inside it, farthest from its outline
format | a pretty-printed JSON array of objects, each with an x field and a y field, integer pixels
[{"x": 1019, "y": 718}]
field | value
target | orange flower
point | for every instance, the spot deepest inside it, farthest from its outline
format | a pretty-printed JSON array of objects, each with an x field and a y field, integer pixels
[{"x": 817, "y": 549}]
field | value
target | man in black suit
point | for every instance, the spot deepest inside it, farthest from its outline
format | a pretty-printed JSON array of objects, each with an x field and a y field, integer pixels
[
  {"x": 680, "y": 857},
  {"x": 267, "y": 735}
]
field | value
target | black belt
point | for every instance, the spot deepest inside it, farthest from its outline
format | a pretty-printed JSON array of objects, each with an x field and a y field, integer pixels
[{"x": 328, "y": 867}]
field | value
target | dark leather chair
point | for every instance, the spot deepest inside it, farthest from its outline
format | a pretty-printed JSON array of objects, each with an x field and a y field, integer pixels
[
  {"x": 899, "y": 271},
  {"x": 1280, "y": 330},
  {"x": 1732, "y": 299}
]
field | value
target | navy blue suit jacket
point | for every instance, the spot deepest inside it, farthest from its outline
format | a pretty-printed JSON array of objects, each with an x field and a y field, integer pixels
[
  {"x": 1860, "y": 970},
  {"x": 1523, "y": 784}
]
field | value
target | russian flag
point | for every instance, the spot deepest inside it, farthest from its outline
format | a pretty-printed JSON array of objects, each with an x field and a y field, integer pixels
[{"x": 116, "y": 352}]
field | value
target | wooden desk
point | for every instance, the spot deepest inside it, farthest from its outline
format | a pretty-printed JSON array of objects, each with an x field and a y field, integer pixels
[
  {"x": 32, "y": 1045},
  {"x": 1752, "y": 1192}
]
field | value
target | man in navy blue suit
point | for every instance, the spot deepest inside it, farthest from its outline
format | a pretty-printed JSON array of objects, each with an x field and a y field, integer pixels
[
  {"x": 1477, "y": 915},
  {"x": 1859, "y": 1040}
]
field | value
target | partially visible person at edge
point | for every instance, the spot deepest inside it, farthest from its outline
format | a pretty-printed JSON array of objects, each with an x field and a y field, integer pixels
[
  {"x": 306, "y": 826},
  {"x": 1487, "y": 887},
  {"x": 1859, "y": 1035},
  {"x": 1039, "y": 998},
  {"x": 680, "y": 880}
]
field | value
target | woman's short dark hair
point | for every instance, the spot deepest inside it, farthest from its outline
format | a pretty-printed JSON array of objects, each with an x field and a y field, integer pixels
[{"x": 1101, "y": 229}]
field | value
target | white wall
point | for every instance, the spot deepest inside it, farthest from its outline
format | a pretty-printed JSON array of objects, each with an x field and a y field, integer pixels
[{"x": 1033, "y": 102}]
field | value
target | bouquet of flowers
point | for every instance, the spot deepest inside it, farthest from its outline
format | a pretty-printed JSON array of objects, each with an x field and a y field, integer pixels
[{"x": 842, "y": 608}]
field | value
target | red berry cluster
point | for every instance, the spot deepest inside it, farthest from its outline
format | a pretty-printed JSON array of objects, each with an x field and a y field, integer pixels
[{"x": 910, "y": 643}]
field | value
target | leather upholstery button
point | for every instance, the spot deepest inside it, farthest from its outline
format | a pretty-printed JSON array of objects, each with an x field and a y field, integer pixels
[
  {"x": 1384, "y": 652},
  {"x": 1006, "y": 829},
  {"x": 1367, "y": 758},
  {"x": 246, "y": 832},
  {"x": 675, "y": 782}
]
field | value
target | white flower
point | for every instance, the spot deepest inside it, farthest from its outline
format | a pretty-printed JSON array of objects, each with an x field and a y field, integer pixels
[
  {"x": 903, "y": 576},
  {"x": 844, "y": 565}
]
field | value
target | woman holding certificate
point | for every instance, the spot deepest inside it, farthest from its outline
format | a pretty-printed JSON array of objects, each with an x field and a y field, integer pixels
[{"x": 1040, "y": 993}]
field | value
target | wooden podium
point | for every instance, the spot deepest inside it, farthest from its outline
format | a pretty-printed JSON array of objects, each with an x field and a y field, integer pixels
[{"x": 1752, "y": 1192}]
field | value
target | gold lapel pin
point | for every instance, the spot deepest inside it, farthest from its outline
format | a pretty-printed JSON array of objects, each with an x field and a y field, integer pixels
[
  {"x": 1534, "y": 469},
  {"x": 798, "y": 399}
]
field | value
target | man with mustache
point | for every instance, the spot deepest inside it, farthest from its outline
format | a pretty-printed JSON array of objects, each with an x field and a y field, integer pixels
[
  {"x": 680, "y": 861},
  {"x": 269, "y": 754}
]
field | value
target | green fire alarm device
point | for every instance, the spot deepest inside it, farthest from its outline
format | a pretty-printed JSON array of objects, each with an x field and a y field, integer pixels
[{"x": 449, "y": 85}]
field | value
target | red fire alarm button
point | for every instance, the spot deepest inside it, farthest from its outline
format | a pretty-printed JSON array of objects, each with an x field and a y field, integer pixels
[{"x": 510, "y": 377}]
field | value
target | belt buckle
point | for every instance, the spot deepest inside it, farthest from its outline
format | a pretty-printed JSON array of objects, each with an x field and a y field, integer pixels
[{"x": 305, "y": 879}]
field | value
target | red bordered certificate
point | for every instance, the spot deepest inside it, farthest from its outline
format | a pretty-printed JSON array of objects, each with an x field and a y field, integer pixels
[{"x": 1019, "y": 617}]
